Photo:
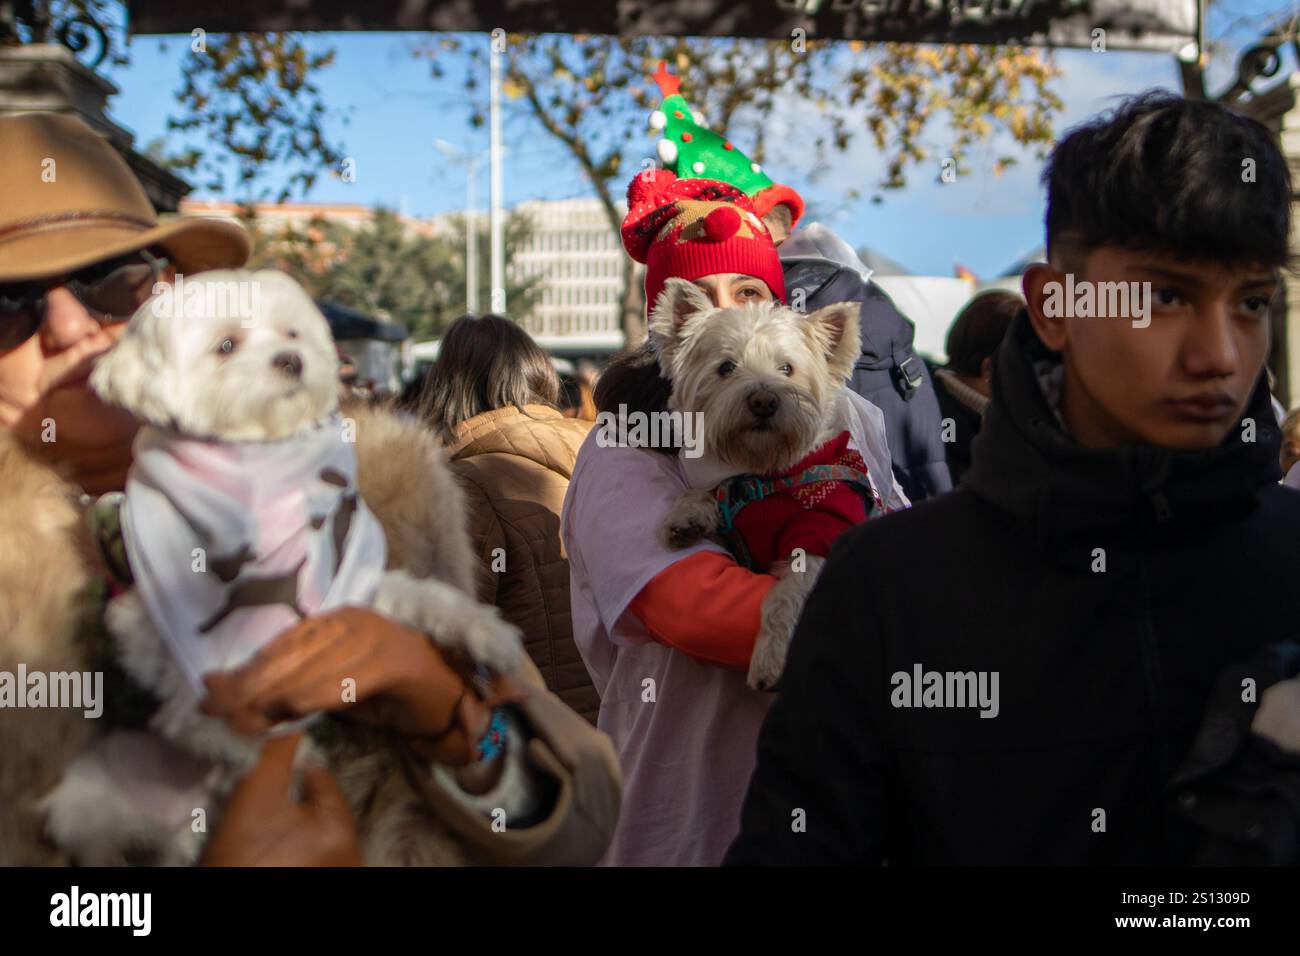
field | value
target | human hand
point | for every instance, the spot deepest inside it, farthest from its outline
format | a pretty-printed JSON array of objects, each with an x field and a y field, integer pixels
[
  {"x": 363, "y": 665},
  {"x": 263, "y": 825}
]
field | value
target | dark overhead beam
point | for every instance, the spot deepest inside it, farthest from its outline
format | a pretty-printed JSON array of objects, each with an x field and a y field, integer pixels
[{"x": 1129, "y": 24}]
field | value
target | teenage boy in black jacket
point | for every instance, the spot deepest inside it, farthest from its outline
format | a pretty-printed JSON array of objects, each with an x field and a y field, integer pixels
[{"x": 1013, "y": 672}]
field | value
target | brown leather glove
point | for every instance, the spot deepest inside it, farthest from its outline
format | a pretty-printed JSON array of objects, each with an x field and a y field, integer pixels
[
  {"x": 363, "y": 666},
  {"x": 263, "y": 825}
]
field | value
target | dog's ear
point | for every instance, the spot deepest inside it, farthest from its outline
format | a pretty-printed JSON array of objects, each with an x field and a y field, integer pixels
[
  {"x": 126, "y": 376},
  {"x": 117, "y": 376},
  {"x": 835, "y": 333},
  {"x": 676, "y": 304}
]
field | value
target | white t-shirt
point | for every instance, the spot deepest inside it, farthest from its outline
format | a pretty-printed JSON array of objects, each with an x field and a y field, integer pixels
[{"x": 685, "y": 731}]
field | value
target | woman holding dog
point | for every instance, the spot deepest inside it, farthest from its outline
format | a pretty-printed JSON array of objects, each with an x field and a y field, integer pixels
[
  {"x": 668, "y": 634},
  {"x": 78, "y": 255},
  {"x": 491, "y": 397}
]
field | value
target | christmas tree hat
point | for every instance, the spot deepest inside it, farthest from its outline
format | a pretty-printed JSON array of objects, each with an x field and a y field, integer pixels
[{"x": 691, "y": 150}]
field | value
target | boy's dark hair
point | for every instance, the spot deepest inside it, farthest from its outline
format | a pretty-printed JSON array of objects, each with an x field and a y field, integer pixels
[
  {"x": 978, "y": 329},
  {"x": 1169, "y": 174}
]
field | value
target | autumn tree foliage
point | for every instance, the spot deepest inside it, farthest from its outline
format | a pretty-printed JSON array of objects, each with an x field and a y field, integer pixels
[
  {"x": 253, "y": 115},
  {"x": 389, "y": 269},
  {"x": 796, "y": 101},
  {"x": 253, "y": 95},
  {"x": 249, "y": 100}
]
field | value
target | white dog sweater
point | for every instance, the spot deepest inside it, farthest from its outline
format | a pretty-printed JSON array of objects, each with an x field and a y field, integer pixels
[{"x": 230, "y": 543}]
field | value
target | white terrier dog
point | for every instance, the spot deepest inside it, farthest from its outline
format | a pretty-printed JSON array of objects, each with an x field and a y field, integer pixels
[
  {"x": 241, "y": 517},
  {"x": 764, "y": 381}
]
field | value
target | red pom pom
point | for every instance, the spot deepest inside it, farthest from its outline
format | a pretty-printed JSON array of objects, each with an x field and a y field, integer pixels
[
  {"x": 721, "y": 224},
  {"x": 649, "y": 184}
]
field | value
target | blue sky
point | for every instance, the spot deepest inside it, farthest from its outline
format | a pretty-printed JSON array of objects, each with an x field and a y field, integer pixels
[{"x": 388, "y": 112}]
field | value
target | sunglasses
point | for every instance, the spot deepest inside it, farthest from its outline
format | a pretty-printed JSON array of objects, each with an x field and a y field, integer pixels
[{"x": 111, "y": 291}]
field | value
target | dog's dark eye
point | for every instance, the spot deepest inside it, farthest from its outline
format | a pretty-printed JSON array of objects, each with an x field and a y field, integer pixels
[
  {"x": 292, "y": 333},
  {"x": 227, "y": 346},
  {"x": 726, "y": 368},
  {"x": 786, "y": 369}
]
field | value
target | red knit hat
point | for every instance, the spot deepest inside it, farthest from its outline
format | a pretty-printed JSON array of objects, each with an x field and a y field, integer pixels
[{"x": 689, "y": 228}]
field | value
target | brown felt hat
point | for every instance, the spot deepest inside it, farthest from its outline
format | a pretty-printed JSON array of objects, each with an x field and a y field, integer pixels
[{"x": 68, "y": 200}]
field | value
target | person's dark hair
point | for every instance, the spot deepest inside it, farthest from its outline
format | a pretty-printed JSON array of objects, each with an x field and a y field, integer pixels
[
  {"x": 632, "y": 381},
  {"x": 978, "y": 329},
  {"x": 570, "y": 395},
  {"x": 412, "y": 395},
  {"x": 485, "y": 363},
  {"x": 1169, "y": 174}
]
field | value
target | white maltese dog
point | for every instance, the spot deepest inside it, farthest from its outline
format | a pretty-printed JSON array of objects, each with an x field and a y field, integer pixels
[
  {"x": 778, "y": 480},
  {"x": 240, "y": 518}
]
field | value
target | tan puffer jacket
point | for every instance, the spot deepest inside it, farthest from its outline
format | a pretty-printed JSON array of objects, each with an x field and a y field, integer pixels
[{"x": 514, "y": 466}]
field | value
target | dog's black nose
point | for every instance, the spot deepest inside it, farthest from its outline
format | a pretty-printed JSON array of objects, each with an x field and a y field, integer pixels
[
  {"x": 763, "y": 404},
  {"x": 288, "y": 362}
]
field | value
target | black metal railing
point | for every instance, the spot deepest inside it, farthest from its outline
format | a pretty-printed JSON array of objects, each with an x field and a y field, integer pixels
[{"x": 24, "y": 21}]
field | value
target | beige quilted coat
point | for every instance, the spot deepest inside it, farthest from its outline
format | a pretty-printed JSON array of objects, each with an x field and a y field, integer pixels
[{"x": 514, "y": 466}]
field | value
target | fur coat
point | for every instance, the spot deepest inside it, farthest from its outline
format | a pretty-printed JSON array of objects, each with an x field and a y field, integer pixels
[{"x": 52, "y": 598}]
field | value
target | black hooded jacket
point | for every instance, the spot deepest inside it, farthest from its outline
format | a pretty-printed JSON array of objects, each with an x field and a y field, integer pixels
[{"x": 1108, "y": 589}]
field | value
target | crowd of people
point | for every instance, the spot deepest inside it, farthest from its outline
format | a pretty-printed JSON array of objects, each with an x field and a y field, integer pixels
[{"x": 1059, "y": 636}]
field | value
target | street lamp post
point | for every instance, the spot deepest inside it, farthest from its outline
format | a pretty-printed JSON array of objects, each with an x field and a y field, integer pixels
[
  {"x": 471, "y": 239},
  {"x": 496, "y": 221}
]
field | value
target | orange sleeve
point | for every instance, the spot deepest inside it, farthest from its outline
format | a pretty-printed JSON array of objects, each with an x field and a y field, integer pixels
[{"x": 706, "y": 606}]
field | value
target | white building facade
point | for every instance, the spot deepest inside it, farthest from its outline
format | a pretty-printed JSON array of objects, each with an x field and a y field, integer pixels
[{"x": 578, "y": 259}]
